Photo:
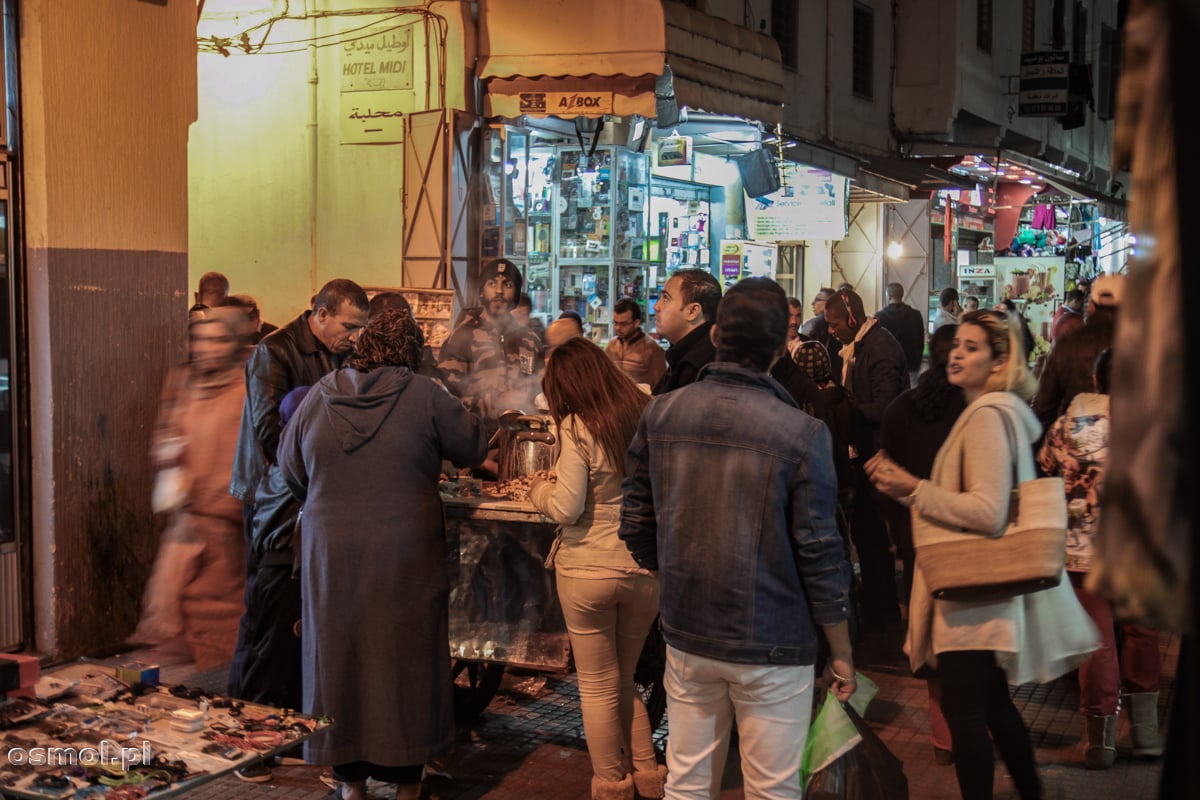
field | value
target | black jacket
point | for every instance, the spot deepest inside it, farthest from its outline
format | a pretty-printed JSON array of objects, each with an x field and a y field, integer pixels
[
  {"x": 686, "y": 358},
  {"x": 816, "y": 402},
  {"x": 908, "y": 326},
  {"x": 291, "y": 356},
  {"x": 817, "y": 329},
  {"x": 1068, "y": 368},
  {"x": 877, "y": 376}
]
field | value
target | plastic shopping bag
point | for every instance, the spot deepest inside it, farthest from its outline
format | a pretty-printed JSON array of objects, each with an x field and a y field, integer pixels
[{"x": 844, "y": 759}]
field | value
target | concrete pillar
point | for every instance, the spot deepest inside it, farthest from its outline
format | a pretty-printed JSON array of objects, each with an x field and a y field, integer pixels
[{"x": 107, "y": 92}]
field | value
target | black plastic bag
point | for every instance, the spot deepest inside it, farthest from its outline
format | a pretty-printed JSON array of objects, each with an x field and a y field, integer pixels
[{"x": 869, "y": 771}]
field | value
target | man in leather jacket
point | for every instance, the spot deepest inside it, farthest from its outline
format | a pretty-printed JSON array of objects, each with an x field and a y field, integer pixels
[{"x": 266, "y": 666}]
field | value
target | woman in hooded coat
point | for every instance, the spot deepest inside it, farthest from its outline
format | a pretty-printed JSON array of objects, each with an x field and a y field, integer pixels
[{"x": 363, "y": 454}]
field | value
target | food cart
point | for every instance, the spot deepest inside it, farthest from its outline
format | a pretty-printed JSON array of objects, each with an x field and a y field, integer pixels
[{"x": 504, "y": 608}]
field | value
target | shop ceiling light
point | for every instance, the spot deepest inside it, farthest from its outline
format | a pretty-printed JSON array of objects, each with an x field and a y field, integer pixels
[{"x": 894, "y": 249}]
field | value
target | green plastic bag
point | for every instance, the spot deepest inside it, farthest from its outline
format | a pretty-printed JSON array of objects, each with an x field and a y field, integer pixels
[
  {"x": 832, "y": 733},
  {"x": 845, "y": 760}
]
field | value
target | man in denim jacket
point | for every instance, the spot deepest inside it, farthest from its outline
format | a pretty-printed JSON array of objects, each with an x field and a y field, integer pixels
[{"x": 730, "y": 494}]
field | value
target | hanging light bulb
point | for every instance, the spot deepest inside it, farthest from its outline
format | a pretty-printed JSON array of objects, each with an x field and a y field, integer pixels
[{"x": 894, "y": 250}]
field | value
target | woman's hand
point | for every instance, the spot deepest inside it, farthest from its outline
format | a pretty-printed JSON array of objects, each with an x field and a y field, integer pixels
[{"x": 889, "y": 477}]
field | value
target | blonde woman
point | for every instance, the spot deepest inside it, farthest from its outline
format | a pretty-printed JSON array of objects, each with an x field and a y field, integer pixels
[{"x": 978, "y": 648}]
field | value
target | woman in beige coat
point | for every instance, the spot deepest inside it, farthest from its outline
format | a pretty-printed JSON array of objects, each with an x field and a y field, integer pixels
[
  {"x": 978, "y": 648},
  {"x": 608, "y": 601}
]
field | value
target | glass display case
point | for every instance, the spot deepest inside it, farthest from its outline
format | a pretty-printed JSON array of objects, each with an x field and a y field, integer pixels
[{"x": 575, "y": 222}]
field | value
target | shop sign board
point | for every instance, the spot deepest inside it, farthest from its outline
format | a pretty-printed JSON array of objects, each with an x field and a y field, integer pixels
[
  {"x": 373, "y": 117},
  {"x": 1045, "y": 82},
  {"x": 1037, "y": 284},
  {"x": 976, "y": 270},
  {"x": 567, "y": 104},
  {"x": 740, "y": 259},
  {"x": 674, "y": 151},
  {"x": 378, "y": 63},
  {"x": 811, "y": 204}
]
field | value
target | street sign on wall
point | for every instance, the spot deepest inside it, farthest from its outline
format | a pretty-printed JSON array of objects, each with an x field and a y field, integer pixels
[{"x": 1045, "y": 84}]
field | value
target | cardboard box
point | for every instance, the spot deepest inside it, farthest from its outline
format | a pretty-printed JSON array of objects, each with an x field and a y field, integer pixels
[
  {"x": 137, "y": 672},
  {"x": 22, "y": 669}
]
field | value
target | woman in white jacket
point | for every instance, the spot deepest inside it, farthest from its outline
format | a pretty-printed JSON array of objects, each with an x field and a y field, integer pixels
[
  {"x": 978, "y": 648},
  {"x": 608, "y": 601}
]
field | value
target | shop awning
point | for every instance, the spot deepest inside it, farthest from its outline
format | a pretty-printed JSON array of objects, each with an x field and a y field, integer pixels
[
  {"x": 922, "y": 177},
  {"x": 565, "y": 58}
]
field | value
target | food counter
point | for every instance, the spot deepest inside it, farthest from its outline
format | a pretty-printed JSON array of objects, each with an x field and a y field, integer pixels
[{"x": 503, "y": 604}]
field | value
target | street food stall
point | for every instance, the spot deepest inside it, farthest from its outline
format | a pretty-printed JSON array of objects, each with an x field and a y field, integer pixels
[{"x": 504, "y": 609}]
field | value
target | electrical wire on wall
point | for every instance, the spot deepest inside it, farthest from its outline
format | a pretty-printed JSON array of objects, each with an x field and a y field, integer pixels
[{"x": 255, "y": 40}]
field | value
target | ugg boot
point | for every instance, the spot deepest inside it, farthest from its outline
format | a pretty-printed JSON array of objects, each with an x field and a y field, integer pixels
[
  {"x": 1101, "y": 748},
  {"x": 649, "y": 785},
  {"x": 1143, "y": 724},
  {"x": 612, "y": 790},
  {"x": 352, "y": 790}
]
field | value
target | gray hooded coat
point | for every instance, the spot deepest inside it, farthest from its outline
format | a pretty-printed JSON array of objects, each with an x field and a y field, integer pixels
[{"x": 363, "y": 455}]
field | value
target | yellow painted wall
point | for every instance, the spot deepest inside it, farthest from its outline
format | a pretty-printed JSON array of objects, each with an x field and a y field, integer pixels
[
  {"x": 277, "y": 214},
  {"x": 100, "y": 131}
]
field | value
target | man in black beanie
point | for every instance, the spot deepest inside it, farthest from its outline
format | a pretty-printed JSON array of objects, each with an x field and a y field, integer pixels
[{"x": 491, "y": 361}]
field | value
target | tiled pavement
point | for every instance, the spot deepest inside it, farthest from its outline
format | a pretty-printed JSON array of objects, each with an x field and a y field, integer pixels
[{"x": 529, "y": 744}]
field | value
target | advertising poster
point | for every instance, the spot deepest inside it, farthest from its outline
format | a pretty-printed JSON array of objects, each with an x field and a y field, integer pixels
[
  {"x": 811, "y": 204},
  {"x": 1037, "y": 286}
]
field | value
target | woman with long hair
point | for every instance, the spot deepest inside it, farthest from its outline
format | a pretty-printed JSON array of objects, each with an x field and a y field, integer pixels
[
  {"x": 1076, "y": 447},
  {"x": 608, "y": 601},
  {"x": 977, "y": 648}
]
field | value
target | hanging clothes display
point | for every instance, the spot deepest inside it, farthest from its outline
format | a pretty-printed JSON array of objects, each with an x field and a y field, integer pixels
[{"x": 1043, "y": 218}]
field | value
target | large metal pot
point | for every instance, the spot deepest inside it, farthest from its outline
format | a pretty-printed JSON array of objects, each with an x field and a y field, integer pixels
[{"x": 531, "y": 446}]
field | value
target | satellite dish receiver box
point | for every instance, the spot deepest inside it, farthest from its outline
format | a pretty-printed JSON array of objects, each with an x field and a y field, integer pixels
[{"x": 759, "y": 174}]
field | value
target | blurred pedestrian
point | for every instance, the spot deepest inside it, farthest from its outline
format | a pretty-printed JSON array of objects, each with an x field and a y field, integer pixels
[{"x": 196, "y": 583}]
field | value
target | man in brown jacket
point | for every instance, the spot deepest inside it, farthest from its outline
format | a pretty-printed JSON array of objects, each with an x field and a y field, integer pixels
[{"x": 633, "y": 351}]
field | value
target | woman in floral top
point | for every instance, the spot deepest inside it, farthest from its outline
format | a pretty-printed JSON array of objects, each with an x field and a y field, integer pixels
[{"x": 1076, "y": 447}]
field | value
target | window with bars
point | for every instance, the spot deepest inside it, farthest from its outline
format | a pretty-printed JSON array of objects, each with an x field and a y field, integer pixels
[
  {"x": 983, "y": 25},
  {"x": 863, "y": 52}
]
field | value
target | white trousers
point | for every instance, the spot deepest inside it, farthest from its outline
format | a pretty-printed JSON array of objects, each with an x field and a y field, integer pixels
[{"x": 772, "y": 705}]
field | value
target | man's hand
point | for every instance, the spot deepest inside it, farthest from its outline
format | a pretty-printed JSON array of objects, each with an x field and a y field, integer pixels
[{"x": 843, "y": 681}]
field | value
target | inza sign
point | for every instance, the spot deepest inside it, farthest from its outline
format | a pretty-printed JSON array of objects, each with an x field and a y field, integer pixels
[{"x": 567, "y": 103}]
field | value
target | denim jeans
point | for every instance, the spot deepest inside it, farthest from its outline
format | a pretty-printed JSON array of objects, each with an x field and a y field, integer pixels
[
  {"x": 607, "y": 620},
  {"x": 772, "y": 705}
]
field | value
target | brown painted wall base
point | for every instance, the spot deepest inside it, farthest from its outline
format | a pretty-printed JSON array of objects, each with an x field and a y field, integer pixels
[{"x": 117, "y": 321}]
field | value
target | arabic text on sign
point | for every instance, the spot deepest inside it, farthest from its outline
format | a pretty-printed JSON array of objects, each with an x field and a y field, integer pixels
[{"x": 378, "y": 63}]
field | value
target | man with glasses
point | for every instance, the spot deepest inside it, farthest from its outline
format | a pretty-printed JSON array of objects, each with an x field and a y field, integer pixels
[
  {"x": 631, "y": 349},
  {"x": 817, "y": 329}
]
